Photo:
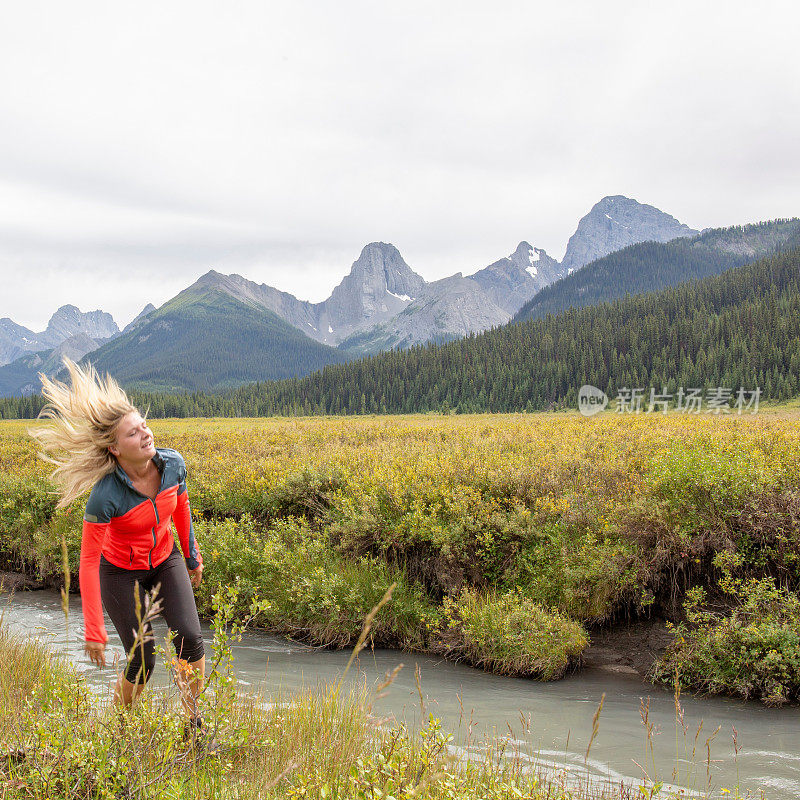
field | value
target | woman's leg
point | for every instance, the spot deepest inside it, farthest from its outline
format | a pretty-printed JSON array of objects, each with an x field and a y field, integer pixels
[
  {"x": 118, "y": 589},
  {"x": 191, "y": 677},
  {"x": 180, "y": 613},
  {"x": 125, "y": 692}
]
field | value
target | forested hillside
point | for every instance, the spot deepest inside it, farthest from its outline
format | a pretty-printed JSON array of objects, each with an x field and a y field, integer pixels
[{"x": 207, "y": 340}]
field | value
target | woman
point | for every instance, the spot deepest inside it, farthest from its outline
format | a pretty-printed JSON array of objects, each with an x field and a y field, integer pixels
[{"x": 103, "y": 443}]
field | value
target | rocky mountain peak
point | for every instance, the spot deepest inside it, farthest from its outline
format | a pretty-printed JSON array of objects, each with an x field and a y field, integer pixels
[
  {"x": 513, "y": 280},
  {"x": 11, "y": 328},
  {"x": 379, "y": 285},
  {"x": 15, "y": 340},
  {"x": 531, "y": 259},
  {"x": 615, "y": 222},
  {"x": 69, "y": 320},
  {"x": 235, "y": 285},
  {"x": 447, "y": 308},
  {"x": 381, "y": 268},
  {"x": 210, "y": 278}
]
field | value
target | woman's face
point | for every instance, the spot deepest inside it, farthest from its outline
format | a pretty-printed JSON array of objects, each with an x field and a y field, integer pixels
[{"x": 134, "y": 439}]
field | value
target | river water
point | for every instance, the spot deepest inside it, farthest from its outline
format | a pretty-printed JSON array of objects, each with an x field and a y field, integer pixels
[{"x": 548, "y": 723}]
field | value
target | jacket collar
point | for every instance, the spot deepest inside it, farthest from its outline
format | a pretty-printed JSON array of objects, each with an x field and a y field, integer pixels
[{"x": 158, "y": 459}]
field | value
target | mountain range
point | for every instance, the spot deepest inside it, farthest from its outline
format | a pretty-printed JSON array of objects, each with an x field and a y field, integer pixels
[
  {"x": 68, "y": 321},
  {"x": 737, "y": 332},
  {"x": 225, "y": 330}
]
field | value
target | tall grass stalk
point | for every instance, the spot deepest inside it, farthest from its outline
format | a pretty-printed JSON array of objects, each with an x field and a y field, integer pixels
[
  {"x": 362, "y": 638},
  {"x": 65, "y": 588}
]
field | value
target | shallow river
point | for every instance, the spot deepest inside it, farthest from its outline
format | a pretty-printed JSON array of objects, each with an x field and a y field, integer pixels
[{"x": 557, "y": 716}]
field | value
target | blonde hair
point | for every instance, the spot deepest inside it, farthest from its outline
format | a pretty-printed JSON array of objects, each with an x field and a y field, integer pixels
[{"x": 85, "y": 418}]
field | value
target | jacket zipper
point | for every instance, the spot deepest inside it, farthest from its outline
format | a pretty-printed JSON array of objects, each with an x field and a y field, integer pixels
[
  {"x": 150, "y": 554},
  {"x": 155, "y": 510}
]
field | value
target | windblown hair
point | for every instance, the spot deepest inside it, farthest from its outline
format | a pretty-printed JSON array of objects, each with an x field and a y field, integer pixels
[{"x": 85, "y": 417}]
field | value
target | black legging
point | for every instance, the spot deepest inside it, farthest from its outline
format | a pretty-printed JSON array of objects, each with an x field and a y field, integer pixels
[{"x": 117, "y": 587}]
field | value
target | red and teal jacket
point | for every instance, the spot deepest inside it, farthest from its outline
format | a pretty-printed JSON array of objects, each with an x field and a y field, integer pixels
[{"x": 132, "y": 531}]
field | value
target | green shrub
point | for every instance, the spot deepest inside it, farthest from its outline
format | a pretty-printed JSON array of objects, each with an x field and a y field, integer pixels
[
  {"x": 311, "y": 590},
  {"x": 575, "y": 571},
  {"x": 307, "y": 491},
  {"x": 752, "y": 652},
  {"x": 512, "y": 635},
  {"x": 26, "y": 507}
]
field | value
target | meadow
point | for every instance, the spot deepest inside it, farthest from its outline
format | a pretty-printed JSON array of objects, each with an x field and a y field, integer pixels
[{"x": 510, "y": 537}]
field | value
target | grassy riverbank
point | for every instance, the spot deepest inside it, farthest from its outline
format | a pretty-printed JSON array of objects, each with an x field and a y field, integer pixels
[
  {"x": 509, "y": 536},
  {"x": 59, "y": 741}
]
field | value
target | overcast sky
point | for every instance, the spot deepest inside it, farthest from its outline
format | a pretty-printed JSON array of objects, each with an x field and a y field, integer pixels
[{"x": 142, "y": 144}]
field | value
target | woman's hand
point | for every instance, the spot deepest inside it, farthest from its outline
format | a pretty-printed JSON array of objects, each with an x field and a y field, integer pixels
[
  {"x": 96, "y": 652},
  {"x": 196, "y": 575}
]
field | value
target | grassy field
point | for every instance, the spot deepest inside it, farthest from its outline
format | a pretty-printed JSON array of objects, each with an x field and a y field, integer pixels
[{"x": 509, "y": 536}]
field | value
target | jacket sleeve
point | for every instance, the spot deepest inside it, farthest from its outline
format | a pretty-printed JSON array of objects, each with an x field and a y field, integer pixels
[
  {"x": 95, "y": 526},
  {"x": 183, "y": 524}
]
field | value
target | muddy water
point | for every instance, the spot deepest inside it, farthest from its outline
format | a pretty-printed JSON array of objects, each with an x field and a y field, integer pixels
[{"x": 547, "y": 723}]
